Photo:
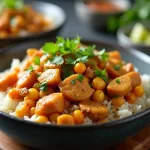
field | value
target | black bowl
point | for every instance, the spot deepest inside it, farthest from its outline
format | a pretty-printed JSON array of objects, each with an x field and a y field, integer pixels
[
  {"x": 51, "y": 11},
  {"x": 98, "y": 136}
]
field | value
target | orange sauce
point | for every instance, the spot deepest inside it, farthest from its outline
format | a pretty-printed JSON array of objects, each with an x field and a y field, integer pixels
[{"x": 104, "y": 7}]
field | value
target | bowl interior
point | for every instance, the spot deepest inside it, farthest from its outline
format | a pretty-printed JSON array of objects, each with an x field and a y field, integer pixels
[
  {"x": 123, "y": 4},
  {"x": 51, "y": 11},
  {"x": 103, "y": 134}
]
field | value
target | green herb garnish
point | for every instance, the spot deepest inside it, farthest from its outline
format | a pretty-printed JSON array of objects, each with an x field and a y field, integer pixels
[
  {"x": 103, "y": 55},
  {"x": 115, "y": 96},
  {"x": 80, "y": 77},
  {"x": 37, "y": 60},
  {"x": 118, "y": 81},
  {"x": 117, "y": 67},
  {"x": 50, "y": 48},
  {"x": 102, "y": 74},
  {"x": 58, "y": 60},
  {"x": 11, "y": 4},
  {"x": 30, "y": 69},
  {"x": 73, "y": 81},
  {"x": 43, "y": 86},
  {"x": 72, "y": 61}
]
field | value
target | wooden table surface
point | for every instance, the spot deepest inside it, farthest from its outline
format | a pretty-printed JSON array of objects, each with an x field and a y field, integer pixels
[{"x": 139, "y": 142}]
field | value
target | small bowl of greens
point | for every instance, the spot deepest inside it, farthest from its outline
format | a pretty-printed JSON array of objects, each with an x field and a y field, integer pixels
[
  {"x": 139, "y": 11},
  {"x": 135, "y": 35}
]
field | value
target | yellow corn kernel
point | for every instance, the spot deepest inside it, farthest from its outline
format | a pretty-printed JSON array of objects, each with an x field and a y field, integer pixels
[
  {"x": 78, "y": 117},
  {"x": 98, "y": 96},
  {"x": 22, "y": 109},
  {"x": 138, "y": 91},
  {"x": 98, "y": 83},
  {"x": 30, "y": 102},
  {"x": 118, "y": 101},
  {"x": 65, "y": 120},
  {"x": 32, "y": 111},
  {"x": 33, "y": 94},
  {"x": 41, "y": 119},
  {"x": 130, "y": 98},
  {"x": 53, "y": 117}
]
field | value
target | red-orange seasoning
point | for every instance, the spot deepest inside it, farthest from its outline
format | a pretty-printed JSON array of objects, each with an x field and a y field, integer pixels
[{"x": 104, "y": 7}]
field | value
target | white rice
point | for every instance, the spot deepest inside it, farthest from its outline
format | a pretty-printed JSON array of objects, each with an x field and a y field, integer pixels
[{"x": 8, "y": 106}]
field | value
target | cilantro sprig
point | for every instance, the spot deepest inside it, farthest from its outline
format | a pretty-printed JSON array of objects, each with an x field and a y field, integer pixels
[
  {"x": 118, "y": 81},
  {"x": 36, "y": 60},
  {"x": 11, "y": 4},
  {"x": 80, "y": 78},
  {"x": 30, "y": 69},
  {"x": 73, "y": 61},
  {"x": 43, "y": 86},
  {"x": 102, "y": 74},
  {"x": 103, "y": 55},
  {"x": 66, "y": 47},
  {"x": 58, "y": 60}
]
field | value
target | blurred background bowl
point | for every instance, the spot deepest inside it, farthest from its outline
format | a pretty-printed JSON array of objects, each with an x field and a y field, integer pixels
[
  {"x": 123, "y": 34},
  {"x": 50, "y": 11},
  {"x": 98, "y": 18}
]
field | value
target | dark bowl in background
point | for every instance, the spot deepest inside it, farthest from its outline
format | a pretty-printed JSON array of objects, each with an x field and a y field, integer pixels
[
  {"x": 124, "y": 40},
  {"x": 98, "y": 20},
  {"x": 97, "y": 136},
  {"x": 54, "y": 12}
]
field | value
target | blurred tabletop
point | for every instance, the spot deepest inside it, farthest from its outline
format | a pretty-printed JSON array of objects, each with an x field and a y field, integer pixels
[{"x": 74, "y": 26}]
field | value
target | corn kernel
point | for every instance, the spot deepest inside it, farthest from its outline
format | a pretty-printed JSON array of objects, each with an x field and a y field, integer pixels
[
  {"x": 78, "y": 116},
  {"x": 53, "y": 117}
]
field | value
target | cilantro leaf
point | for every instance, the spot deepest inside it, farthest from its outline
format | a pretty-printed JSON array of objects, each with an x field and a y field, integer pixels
[
  {"x": 102, "y": 74},
  {"x": 118, "y": 81},
  {"x": 86, "y": 51},
  {"x": 82, "y": 59},
  {"x": 80, "y": 77},
  {"x": 37, "y": 60},
  {"x": 12, "y": 4},
  {"x": 67, "y": 45},
  {"x": 43, "y": 86},
  {"x": 115, "y": 96},
  {"x": 117, "y": 67},
  {"x": 103, "y": 55},
  {"x": 58, "y": 60},
  {"x": 50, "y": 48},
  {"x": 73, "y": 81},
  {"x": 72, "y": 61},
  {"x": 30, "y": 69}
]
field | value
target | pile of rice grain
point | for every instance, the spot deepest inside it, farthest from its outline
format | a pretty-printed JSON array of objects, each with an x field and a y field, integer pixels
[{"x": 7, "y": 105}]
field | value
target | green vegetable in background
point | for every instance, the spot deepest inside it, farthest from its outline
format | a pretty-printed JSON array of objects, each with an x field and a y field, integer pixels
[
  {"x": 12, "y": 4},
  {"x": 140, "y": 34},
  {"x": 138, "y": 12}
]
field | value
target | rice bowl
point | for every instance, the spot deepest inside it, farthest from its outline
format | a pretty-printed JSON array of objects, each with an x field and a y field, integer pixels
[{"x": 114, "y": 112}]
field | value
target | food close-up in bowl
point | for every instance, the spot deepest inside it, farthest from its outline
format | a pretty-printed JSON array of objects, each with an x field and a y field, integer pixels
[
  {"x": 74, "y": 88},
  {"x": 69, "y": 83},
  {"x": 22, "y": 20},
  {"x": 18, "y": 19}
]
